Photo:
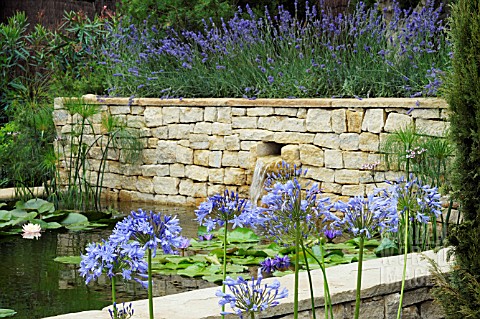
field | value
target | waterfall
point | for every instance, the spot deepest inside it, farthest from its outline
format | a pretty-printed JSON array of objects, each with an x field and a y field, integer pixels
[{"x": 262, "y": 166}]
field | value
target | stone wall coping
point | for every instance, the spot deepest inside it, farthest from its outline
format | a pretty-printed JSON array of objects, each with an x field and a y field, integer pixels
[
  {"x": 424, "y": 103},
  {"x": 380, "y": 277}
]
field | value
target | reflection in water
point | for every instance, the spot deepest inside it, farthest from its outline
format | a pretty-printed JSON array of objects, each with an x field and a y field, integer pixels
[{"x": 35, "y": 286}]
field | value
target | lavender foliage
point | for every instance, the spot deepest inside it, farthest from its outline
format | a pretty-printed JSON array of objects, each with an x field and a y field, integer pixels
[
  {"x": 284, "y": 55},
  {"x": 248, "y": 297}
]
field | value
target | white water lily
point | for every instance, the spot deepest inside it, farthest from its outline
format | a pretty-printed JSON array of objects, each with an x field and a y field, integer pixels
[{"x": 31, "y": 231}]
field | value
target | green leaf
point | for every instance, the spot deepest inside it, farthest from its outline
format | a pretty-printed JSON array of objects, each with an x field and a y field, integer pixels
[
  {"x": 40, "y": 205},
  {"x": 199, "y": 269},
  {"x": 386, "y": 248},
  {"x": 74, "y": 218},
  {"x": 4, "y": 313},
  {"x": 217, "y": 278},
  {"x": 242, "y": 235},
  {"x": 5, "y": 215},
  {"x": 69, "y": 259}
]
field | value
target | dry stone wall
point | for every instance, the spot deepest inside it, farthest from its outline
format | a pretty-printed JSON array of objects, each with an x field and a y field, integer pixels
[{"x": 194, "y": 148}]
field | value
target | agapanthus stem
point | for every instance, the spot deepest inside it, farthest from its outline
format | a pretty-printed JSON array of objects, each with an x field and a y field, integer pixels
[
  {"x": 150, "y": 283},
  {"x": 297, "y": 266},
  {"x": 224, "y": 262},
  {"x": 405, "y": 252},
  {"x": 114, "y": 297},
  {"x": 312, "y": 298},
  {"x": 326, "y": 290},
  {"x": 359, "y": 277}
]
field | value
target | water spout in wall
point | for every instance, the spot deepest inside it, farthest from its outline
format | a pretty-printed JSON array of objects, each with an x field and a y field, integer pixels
[{"x": 263, "y": 165}]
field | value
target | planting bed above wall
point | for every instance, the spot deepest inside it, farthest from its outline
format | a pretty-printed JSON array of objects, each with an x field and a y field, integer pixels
[{"x": 194, "y": 148}]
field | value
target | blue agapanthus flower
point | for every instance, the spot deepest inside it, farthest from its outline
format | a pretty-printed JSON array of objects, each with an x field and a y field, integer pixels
[
  {"x": 150, "y": 230},
  {"x": 124, "y": 259},
  {"x": 270, "y": 265},
  {"x": 248, "y": 297},
  {"x": 218, "y": 210},
  {"x": 368, "y": 216}
]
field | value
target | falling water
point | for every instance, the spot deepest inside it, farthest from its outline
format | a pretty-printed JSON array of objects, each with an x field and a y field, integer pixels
[{"x": 263, "y": 165}]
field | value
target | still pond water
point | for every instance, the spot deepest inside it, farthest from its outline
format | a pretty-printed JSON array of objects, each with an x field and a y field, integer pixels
[{"x": 35, "y": 286}]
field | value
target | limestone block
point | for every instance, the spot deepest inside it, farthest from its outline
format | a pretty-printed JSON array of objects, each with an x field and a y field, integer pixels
[
  {"x": 311, "y": 155},
  {"x": 119, "y": 109},
  {"x": 260, "y": 111},
  {"x": 281, "y": 124},
  {"x": 339, "y": 121},
  {"x": 339, "y": 312},
  {"x": 210, "y": 114},
  {"x": 111, "y": 180},
  {"x": 291, "y": 154},
  {"x": 160, "y": 132},
  {"x": 320, "y": 174},
  {"x": 215, "y": 159},
  {"x": 221, "y": 128},
  {"x": 353, "y": 190},
  {"x": 371, "y": 310},
  {"x": 197, "y": 173},
  {"x": 177, "y": 170},
  {"x": 319, "y": 120},
  {"x": 433, "y": 114},
  {"x": 191, "y": 114},
  {"x": 141, "y": 197},
  {"x": 355, "y": 160},
  {"x": 302, "y": 113},
  {"x": 203, "y": 128},
  {"x": 265, "y": 149},
  {"x": 432, "y": 128},
  {"x": 431, "y": 310},
  {"x": 239, "y": 111},
  {"x": 201, "y": 157},
  {"x": 189, "y": 188},
  {"x": 286, "y": 111},
  {"x": 60, "y": 117},
  {"x": 166, "y": 152},
  {"x": 245, "y": 122},
  {"x": 184, "y": 143},
  {"x": 175, "y": 200},
  {"x": 245, "y": 159},
  {"x": 393, "y": 176},
  {"x": 128, "y": 182},
  {"x": 199, "y": 141},
  {"x": 374, "y": 120},
  {"x": 327, "y": 140},
  {"x": 224, "y": 114},
  {"x": 247, "y": 145},
  {"x": 58, "y": 103},
  {"x": 144, "y": 184},
  {"x": 184, "y": 155},
  {"x": 137, "y": 110},
  {"x": 234, "y": 176},
  {"x": 155, "y": 170},
  {"x": 232, "y": 142},
  {"x": 171, "y": 114},
  {"x": 152, "y": 142},
  {"x": 215, "y": 189},
  {"x": 349, "y": 141},
  {"x": 396, "y": 122},
  {"x": 135, "y": 121},
  {"x": 252, "y": 134},
  {"x": 230, "y": 159},
  {"x": 215, "y": 175},
  {"x": 411, "y": 312},
  {"x": 347, "y": 176},
  {"x": 333, "y": 159},
  {"x": 217, "y": 143},
  {"x": 179, "y": 131},
  {"x": 354, "y": 121},
  {"x": 445, "y": 114},
  {"x": 153, "y": 116},
  {"x": 331, "y": 188},
  {"x": 149, "y": 156},
  {"x": 369, "y": 142},
  {"x": 291, "y": 138},
  {"x": 165, "y": 185}
]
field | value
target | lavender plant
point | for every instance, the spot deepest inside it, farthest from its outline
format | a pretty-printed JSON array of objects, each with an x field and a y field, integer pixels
[
  {"x": 149, "y": 230},
  {"x": 221, "y": 210},
  {"x": 285, "y": 55},
  {"x": 250, "y": 298},
  {"x": 364, "y": 217}
]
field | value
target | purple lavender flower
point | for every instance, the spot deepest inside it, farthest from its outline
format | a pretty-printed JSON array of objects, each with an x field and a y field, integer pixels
[{"x": 249, "y": 297}]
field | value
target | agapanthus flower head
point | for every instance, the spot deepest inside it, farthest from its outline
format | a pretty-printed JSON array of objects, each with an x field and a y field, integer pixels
[
  {"x": 205, "y": 237},
  {"x": 248, "y": 297},
  {"x": 270, "y": 265},
  {"x": 283, "y": 173},
  {"x": 124, "y": 313},
  {"x": 366, "y": 216},
  {"x": 219, "y": 210},
  {"x": 114, "y": 259},
  {"x": 150, "y": 230}
]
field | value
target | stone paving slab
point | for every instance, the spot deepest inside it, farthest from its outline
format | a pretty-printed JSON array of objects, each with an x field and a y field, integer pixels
[
  {"x": 380, "y": 276},
  {"x": 7, "y": 194}
]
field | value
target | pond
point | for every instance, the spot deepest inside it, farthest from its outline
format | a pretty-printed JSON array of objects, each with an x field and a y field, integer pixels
[{"x": 36, "y": 286}]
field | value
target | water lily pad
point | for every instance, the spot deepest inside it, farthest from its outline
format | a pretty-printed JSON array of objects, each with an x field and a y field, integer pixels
[
  {"x": 242, "y": 235},
  {"x": 199, "y": 269},
  {"x": 217, "y": 278},
  {"x": 5, "y": 215},
  {"x": 74, "y": 218},
  {"x": 69, "y": 259},
  {"x": 37, "y": 204},
  {"x": 4, "y": 313},
  {"x": 386, "y": 248}
]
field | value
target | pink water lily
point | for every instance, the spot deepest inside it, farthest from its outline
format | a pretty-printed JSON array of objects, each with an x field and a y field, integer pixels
[{"x": 31, "y": 231}]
